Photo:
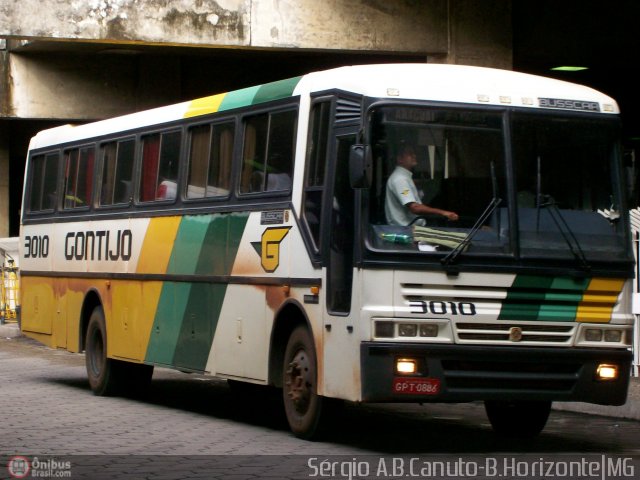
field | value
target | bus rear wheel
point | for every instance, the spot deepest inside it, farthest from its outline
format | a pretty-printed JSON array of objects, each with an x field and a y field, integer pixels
[
  {"x": 519, "y": 418},
  {"x": 101, "y": 371},
  {"x": 107, "y": 376},
  {"x": 302, "y": 404}
]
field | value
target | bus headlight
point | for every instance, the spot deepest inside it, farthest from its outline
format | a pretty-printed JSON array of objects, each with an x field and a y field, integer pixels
[
  {"x": 612, "y": 336},
  {"x": 407, "y": 329},
  {"x": 428, "y": 330},
  {"x": 593, "y": 335}
]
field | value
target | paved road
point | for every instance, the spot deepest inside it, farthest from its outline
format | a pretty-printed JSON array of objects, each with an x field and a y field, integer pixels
[{"x": 187, "y": 421}]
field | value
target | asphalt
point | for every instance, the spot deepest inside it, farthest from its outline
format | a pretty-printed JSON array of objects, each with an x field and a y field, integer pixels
[{"x": 630, "y": 410}]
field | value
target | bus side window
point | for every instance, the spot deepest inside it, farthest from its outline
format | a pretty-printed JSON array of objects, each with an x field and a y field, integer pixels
[
  {"x": 44, "y": 178},
  {"x": 268, "y": 151},
  {"x": 314, "y": 184},
  {"x": 117, "y": 170},
  {"x": 210, "y": 154},
  {"x": 78, "y": 177},
  {"x": 160, "y": 157}
]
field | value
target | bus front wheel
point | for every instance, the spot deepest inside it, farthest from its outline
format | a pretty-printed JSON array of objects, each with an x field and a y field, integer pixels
[
  {"x": 518, "y": 419},
  {"x": 302, "y": 404}
]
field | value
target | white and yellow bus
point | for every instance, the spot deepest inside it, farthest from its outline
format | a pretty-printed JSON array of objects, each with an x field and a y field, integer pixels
[{"x": 244, "y": 236}]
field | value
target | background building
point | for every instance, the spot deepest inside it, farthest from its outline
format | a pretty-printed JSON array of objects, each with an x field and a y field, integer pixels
[{"x": 67, "y": 62}]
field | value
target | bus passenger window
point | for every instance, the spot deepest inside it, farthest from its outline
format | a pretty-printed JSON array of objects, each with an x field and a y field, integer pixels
[
  {"x": 269, "y": 141},
  {"x": 210, "y": 160},
  {"x": 160, "y": 157},
  {"x": 78, "y": 178},
  {"x": 44, "y": 177},
  {"x": 117, "y": 170}
]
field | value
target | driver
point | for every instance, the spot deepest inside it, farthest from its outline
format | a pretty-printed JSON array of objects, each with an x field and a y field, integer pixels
[{"x": 402, "y": 201}]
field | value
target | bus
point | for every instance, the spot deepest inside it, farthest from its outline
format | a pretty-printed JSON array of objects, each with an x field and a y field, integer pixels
[{"x": 244, "y": 236}]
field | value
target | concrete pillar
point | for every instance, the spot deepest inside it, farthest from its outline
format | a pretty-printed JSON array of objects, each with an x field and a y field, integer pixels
[
  {"x": 4, "y": 181},
  {"x": 479, "y": 34}
]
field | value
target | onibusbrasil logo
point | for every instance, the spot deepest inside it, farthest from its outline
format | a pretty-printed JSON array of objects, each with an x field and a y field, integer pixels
[{"x": 19, "y": 466}]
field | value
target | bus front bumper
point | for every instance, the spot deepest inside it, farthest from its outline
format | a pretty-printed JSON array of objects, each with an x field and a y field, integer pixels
[{"x": 463, "y": 373}]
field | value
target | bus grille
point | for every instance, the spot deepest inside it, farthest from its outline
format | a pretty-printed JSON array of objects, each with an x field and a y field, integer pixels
[{"x": 503, "y": 333}]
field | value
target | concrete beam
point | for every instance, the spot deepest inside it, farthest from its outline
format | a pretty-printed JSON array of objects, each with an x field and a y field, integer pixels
[
  {"x": 86, "y": 87},
  {"x": 372, "y": 25}
]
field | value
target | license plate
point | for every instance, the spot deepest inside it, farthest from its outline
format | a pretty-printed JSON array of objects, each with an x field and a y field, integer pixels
[{"x": 416, "y": 386}]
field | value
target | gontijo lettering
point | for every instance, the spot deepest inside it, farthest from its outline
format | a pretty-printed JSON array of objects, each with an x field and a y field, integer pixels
[{"x": 98, "y": 245}]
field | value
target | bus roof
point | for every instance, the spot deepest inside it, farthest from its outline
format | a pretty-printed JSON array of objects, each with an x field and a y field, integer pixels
[{"x": 435, "y": 82}]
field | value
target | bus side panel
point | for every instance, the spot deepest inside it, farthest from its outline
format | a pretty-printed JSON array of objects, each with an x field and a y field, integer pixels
[
  {"x": 240, "y": 344},
  {"x": 38, "y": 305}
]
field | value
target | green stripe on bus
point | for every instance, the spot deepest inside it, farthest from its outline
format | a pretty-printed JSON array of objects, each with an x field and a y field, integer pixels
[
  {"x": 166, "y": 330},
  {"x": 533, "y": 297},
  {"x": 276, "y": 90},
  {"x": 183, "y": 330},
  {"x": 261, "y": 93},
  {"x": 217, "y": 256},
  {"x": 238, "y": 98}
]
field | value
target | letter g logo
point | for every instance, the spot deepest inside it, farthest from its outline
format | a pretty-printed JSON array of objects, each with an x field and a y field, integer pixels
[{"x": 269, "y": 247}]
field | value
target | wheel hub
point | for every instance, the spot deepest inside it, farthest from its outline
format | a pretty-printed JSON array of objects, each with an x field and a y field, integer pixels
[{"x": 299, "y": 382}]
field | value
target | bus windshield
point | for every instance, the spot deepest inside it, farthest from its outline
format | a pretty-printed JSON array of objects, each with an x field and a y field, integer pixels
[{"x": 564, "y": 201}]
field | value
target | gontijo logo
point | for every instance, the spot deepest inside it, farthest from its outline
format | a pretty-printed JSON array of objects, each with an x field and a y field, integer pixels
[{"x": 269, "y": 247}]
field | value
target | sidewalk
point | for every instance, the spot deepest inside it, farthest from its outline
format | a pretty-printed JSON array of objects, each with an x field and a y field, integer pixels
[
  {"x": 9, "y": 330},
  {"x": 631, "y": 409}
]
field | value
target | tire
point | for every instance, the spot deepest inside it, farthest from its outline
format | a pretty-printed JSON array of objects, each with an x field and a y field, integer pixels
[
  {"x": 108, "y": 377},
  {"x": 102, "y": 372},
  {"x": 518, "y": 419},
  {"x": 302, "y": 404}
]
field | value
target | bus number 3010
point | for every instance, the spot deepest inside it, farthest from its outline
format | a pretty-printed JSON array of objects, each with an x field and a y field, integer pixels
[{"x": 442, "y": 308}]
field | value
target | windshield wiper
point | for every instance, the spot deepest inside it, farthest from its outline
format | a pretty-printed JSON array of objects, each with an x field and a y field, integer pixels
[
  {"x": 547, "y": 202},
  {"x": 564, "y": 229},
  {"x": 461, "y": 247},
  {"x": 453, "y": 254}
]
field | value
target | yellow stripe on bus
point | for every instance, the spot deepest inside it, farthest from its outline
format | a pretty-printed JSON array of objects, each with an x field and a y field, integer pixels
[
  {"x": 599, "y": 300},
  {"x": 205, "y": 105},
  {"x": 158, "y": 245}
]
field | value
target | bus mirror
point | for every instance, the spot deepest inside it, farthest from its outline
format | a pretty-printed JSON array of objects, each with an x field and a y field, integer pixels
[{"x": 360, "y": 166}]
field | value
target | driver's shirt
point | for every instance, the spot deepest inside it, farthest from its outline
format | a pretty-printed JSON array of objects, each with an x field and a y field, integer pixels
[{"x": 401, "y": 190}]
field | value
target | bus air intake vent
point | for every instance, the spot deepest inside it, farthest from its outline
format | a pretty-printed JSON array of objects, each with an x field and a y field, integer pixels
[{"x": 347, "y": 111}]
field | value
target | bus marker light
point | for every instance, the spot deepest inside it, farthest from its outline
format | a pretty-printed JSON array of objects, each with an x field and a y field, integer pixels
[
  {"x": 607, "y": 372},
  {"x": 406, "y": 366},
  {"x": 315, "y": 290}
]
